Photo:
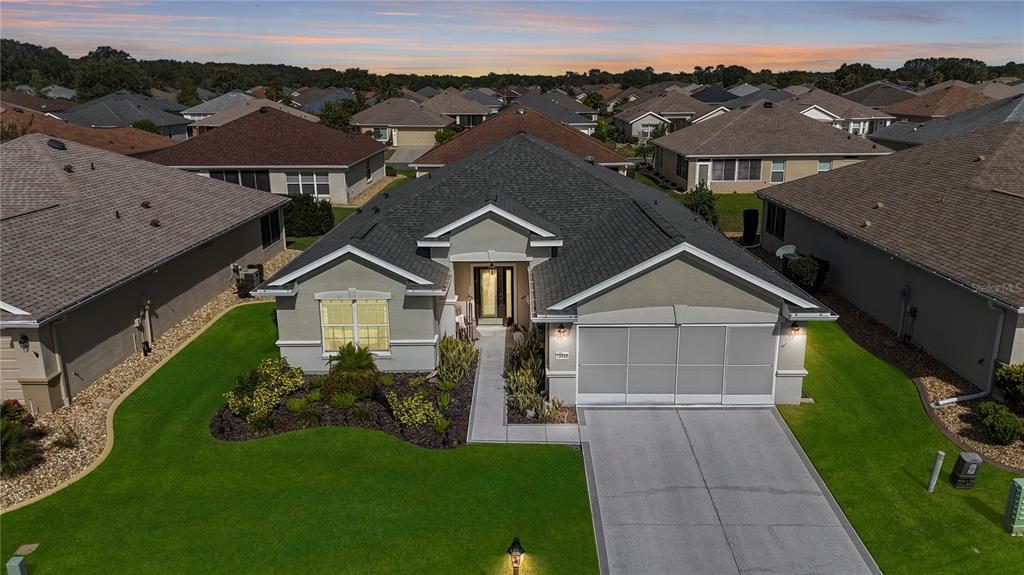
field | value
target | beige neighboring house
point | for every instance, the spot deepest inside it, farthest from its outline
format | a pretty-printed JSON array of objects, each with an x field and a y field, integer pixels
[
  {"x": 400, "y": 122},
  {"x": 103, "y": 253},
  {"x": 998, "y": 90},
  {"x": 276, "y": 152},
  {"x": 672, "y": 109},
  {"x": 754, "y": 147},
  {"x": 452, "y": 104},
  {"x": 937, "y": 104},
  {"x": 847, "y": 115},
  {"x": 245, "y": 108}
]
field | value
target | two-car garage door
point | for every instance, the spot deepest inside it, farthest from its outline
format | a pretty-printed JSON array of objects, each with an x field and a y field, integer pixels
[{"x": 731, "y": 364}]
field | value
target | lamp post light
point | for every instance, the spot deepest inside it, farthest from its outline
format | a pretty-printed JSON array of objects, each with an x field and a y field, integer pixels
[{"x": 515, "y": 554}]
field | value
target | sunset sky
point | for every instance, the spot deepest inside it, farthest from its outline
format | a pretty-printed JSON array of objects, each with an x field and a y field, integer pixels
[{"x": 527, "y": 37}]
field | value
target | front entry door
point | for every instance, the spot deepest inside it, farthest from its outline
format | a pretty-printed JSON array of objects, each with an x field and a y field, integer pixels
[{"x": 493, "y": 288}]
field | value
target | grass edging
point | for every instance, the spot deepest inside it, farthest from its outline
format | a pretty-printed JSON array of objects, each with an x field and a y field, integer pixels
[{"x": 112, "y": 411}]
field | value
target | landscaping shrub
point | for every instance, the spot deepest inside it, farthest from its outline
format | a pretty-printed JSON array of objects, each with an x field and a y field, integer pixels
[
  {"x": 68, "y": 439},
  {"x": 12, "y": 410},
  {"x": 353, "y": 371},
  {"x": 308, "y": 216},
  {"x": 416, "y": 382},
  {"x": 19, "y": 448},
  {"x": 456, "y": 358},
  {"x": 444, "y": 399},
  {"x": 521, "y": 387},
  {"x": 311, "y": 414},
  {"x": 243, "y": 287},
  {"x": 701, "y": 201},
  {"x": 390, "y": 171},
  {"x": 445, "y": 385},
  {"x": 1004, "y": 425},
  {"x": 360, "y": 412},
  {"x": 297, "y": 404},
  {"x": 342, "y": 400},
  {"x": 1009, "y": 380},
  {"x": 257, "y": 392},
  {"x": 440, "y": 424},
  {"x": 412, "y": 410},
  {"x": 808, "y": 273}
]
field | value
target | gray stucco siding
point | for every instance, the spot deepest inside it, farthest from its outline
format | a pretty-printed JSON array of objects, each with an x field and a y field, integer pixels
[{"x": 489, "y": 234}]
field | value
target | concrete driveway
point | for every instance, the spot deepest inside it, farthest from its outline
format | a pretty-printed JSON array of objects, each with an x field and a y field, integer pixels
[{"x": 713, "y": 491}]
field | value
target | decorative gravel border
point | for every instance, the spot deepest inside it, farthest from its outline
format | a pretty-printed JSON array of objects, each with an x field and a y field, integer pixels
[{"x": 91, "y": 413}]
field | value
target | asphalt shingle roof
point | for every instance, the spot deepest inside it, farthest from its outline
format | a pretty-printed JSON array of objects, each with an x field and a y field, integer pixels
[
  {"x": 552, "y": 109},
  {"x": 220, "y": 103},
  {"x": 401, "y": 112},
  {"x": 124, "y": 109},
  {"x": 30, "y": 102},
  {"x": 954, "y": 206},
  {"x": 608, "y": 223},
  {"x": 712, "y": 94},
  {"x": 71, "y": 234},
  {"x": 670, "y": 102},
  {"x": 270, "y": 138},
  {"x": 879, "y": 94},
  {"x": 916, "y": 133},
  {"x": 838, "y": 105},
  {"x": 944, "y": 102},
  {"x": 766, "y": 94},
  {"x": 452, "y": 102},
  {"x": 125, "y": 140},
  {"x": 246, "y": 108}
]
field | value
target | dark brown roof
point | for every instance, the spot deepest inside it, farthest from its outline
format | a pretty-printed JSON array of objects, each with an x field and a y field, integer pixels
[
  {"x": 758, "y": 130},
  {"x": 838, "y": 105},
  {"x": 30, "y": 102},
  {"x": 399, "y": 112},
  {"x": 944, "y": 102},
  {"x": 127, "y": 140},
  {"x": 511, "y": 122},
  {"x": 74, "y": 223},
  {"x": 270, "y": 138},
  {"x": 878, "y": 94},
  {"x": 954, "y": 206}
]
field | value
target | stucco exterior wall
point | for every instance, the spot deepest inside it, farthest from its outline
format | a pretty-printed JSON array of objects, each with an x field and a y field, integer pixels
[
  {"x": 796, "y": 168},
  {"x": 952, "y": 324},
  {"x": 355, "y": 178},
  {"x": 635, "y": 130}
]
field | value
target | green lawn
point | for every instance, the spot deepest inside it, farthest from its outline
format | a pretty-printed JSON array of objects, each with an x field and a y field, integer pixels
[
  {"x": 729, "y": 206},
  {"x": 303, "y": 242},
  {"x": 873, "y": 444},
  {"x": 171, "y": 499}
]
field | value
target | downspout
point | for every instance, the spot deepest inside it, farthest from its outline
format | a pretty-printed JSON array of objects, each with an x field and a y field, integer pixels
[
  {"x": 65, "y": 391},
  {"x": 992, "y": 369}
]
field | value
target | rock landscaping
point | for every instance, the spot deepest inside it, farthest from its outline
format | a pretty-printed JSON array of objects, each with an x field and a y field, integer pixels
[
  {"x": 430, "y": 410},
  {"x": 74, "y": 436},
  {"x": 961, "y": 422}
]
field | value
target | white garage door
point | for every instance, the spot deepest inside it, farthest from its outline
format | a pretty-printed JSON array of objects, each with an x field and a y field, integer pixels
[{"x": 705, "y": 364}]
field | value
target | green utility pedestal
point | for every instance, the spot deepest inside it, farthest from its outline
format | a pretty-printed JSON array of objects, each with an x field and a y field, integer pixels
[{"x": 1013, "y": 517}]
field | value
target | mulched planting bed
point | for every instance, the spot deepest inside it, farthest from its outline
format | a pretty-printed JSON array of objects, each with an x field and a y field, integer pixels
[
  {"x": 229, "y": 427},
  {"x": 566, "y": 414}
]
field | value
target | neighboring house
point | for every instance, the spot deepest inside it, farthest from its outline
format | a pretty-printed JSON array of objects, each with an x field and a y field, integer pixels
[
  {"x": 519, "y": 119},
  {"x": 258, "y": 91},
  {"x": 491, "y": 102},
  {"x": 572, "y": 104},
  {"x": 552, "y": 109},
  {"x": 244, "y": 109},
  {"x": 637, "y": 299},
  {"x": 338, "y": 95},
  {"x": 56, "y": 91},
  {"x": 672, "y": 110},
  {"x": 277, "y": 152},
  {"x": 34, "y": 103},
  {"x": 205, "y": 95},
  {"x": 216, "y": 105},
  {"x": 414, "y": 96},
  {"x": 25, "y": 89},
  {"x": 128, "y": 141},
  {"x": 799, "y": 89},
  {"x": 740, "y": 90},
  {"x": 762, "y": 94},
  {"x": 879, "y": 94},
  {"x": 944, "y": 85},
  {"x": 124, "y": 108},
  {"x": 902, "y": 135},
  {"x": 604, "y": 91},
  {"x": 171, "y": 94},
  {"x": 844, "y": 114},
  {"x": 489, "y": 92},
  {"x": 452, "y": 104},
  {"x": 623, "y": 96},
  {"x": 1006, "y": 79},
  {"x": 428, "y": 91},
  {"x": 103, "y": 253},
  {"x": 926, "y": 241},
  {"x": 997, "y": 90},
  {"x": 400, "y": 122},
  {"x": 938, "y": 104},
  {"x": 754, "y": 147},
  {"x": 712, "y": 94}
]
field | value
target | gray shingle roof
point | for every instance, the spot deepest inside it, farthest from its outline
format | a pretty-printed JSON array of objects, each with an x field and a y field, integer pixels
[
  {"x": 879, "y": 94},
  {"x": 70, "y": 235},
  {"x": 767, "y": 94},
  {"x": 399, "y": 112},
  {"x": 838, "y": 105},
  {"x": 124, "y": 109},
  {"x": 916, "y": 133},
  {"x": 608, "y": 222},
  {"x": 220, "y": 103},
  {"x": 552, "y": 109},
  {"x": 481, "y": 97}
]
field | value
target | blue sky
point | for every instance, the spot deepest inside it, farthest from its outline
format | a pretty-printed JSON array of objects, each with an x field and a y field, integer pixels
[{"x": 527, "y": 37}]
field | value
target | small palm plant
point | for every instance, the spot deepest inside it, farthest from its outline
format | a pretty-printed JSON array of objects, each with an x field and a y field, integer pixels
[{"x": 354, "y": 371}]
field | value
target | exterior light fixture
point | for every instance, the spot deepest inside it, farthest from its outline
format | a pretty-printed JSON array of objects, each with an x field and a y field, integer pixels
[
  {"x": 23, "y": 340},
  {"x": 491, "y": 269},
  {"x": 562, "y": 332},
  {"x": 515, "y": 554},
  {"x": 795, "y": 329}
]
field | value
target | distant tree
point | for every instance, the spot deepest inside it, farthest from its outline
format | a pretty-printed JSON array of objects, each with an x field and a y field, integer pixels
[
  {"x": 147, "y": 125},
  {"x": 593, "y": 101},
  {"x": 827, "y": 83},
  {"x": 337, "y": 114},
  {"x": 445, "y": 133},
  {"x": 106, "y": 70},
  {"x": 187, "y": 95},
  {"x": 937, "y": 77},
  {"x": 37, "y": 82},
  {"x": 701, "y": 200},
  {"x": 387, "y": 88}
]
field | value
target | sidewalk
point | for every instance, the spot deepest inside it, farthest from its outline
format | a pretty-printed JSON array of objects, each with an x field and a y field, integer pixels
[{"x": 487, "y": 423}]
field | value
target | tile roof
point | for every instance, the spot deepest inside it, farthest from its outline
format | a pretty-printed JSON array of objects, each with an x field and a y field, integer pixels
[
  {"x": 944, "y": 102},
  {"x": 125, "y": 140},
  {"x": 452, "y": 102},
  {"x": 878, "y": 94},
  {"x": 552, "y": 109},
  {"x": 270, "y": 138},
  {"x": 953, "y": 206},
  {"x": 401, "y": 112},
  {"x": 916, "y": 133},
  {"x": 838, "y": 105},
  {"x": 670, "y": 102},
  {"x": 30, "y": 102},
  {"x": 74, "y": 234},
  {"x": 515, "y": 120},
  {"x": 219, "y": 104},
  {"x": 757, "y": 130},
  {"x": 124, "y": 109},
  {"x": 246, "y": 108},
  {"x": 608, "y": 222}
]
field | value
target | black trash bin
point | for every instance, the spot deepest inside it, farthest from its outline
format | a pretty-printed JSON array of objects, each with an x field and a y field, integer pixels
[
  {"x": 965, "y": 470},
  {"x": 750, "y": 221}
]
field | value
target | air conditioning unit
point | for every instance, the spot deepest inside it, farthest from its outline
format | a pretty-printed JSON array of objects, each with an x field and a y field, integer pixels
[{"x": 253, "y": 275}]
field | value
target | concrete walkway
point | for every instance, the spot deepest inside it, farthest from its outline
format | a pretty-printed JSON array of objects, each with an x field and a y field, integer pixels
[
  {"x": 710, "y": 491},
  {"x": 487, "y": 422}
]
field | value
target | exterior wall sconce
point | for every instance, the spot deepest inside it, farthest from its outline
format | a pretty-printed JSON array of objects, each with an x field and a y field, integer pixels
[
  {"x": 515, "y": 554},
  {"x": 794, "y": 329},
  {"x": 562, "y": 332},
  {"x": 23, "y": 340}
]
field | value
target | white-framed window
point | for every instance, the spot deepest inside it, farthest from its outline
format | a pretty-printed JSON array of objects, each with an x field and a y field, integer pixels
[
  {"x": 744, "y": 170},
  {"x": 646, "y": 131},
  {"x": 308, "y": 183},
  {"x": 362, "y": 322},
  {"x": 778, "y": 171},
  {"x": 824, "y": 166},
  {"x": 380, "y": 134}
]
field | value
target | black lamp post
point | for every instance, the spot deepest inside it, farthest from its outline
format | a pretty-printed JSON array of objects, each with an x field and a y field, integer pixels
[{"x": 515, "y": 554}]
